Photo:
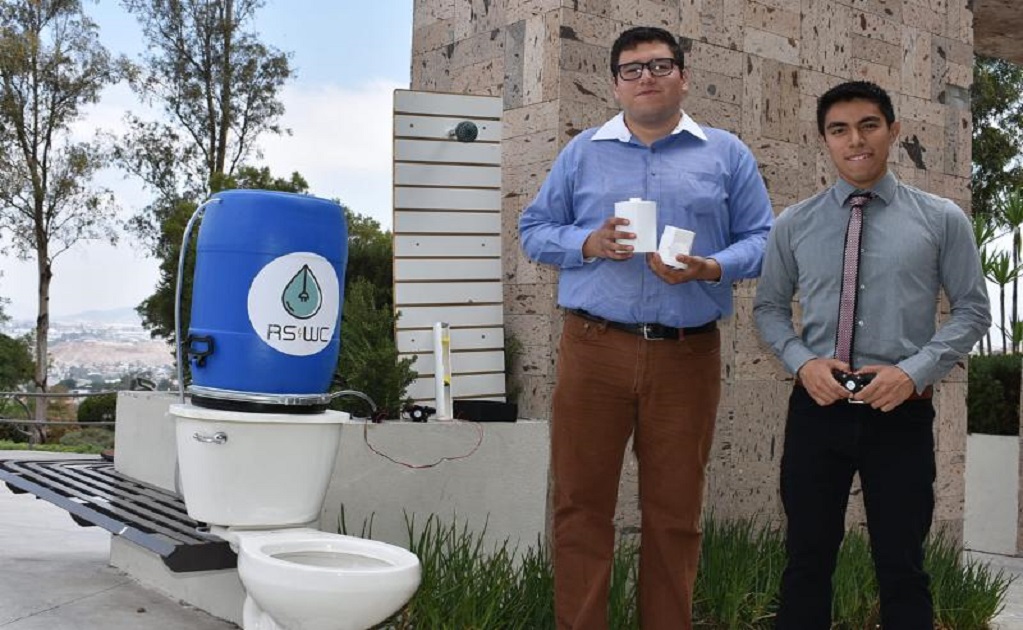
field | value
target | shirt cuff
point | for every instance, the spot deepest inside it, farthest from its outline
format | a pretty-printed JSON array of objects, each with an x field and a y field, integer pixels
[
  {"x": 918, "y": 370},
  {"x": 796, "y": 356}
]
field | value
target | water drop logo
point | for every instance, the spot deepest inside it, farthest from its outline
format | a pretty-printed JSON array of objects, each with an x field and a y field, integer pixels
[
  {"x": 302, "y": 297},
  {"x": 295, "y": 303}
]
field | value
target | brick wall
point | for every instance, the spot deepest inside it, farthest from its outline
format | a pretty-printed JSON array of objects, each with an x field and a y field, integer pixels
[{"x": 757, "y": 69}]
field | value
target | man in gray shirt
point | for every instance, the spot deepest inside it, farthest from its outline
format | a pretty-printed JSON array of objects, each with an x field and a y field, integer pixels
[{"x": 867, "y": 258}]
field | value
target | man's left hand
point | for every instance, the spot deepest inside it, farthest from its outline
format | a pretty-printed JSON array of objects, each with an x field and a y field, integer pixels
[
  {"x": 698, "y": 268},
  {"x": 889, "y": 389}
]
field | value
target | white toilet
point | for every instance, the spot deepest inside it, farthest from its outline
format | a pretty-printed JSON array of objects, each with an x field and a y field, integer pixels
[{"x": 258, "y": 480}]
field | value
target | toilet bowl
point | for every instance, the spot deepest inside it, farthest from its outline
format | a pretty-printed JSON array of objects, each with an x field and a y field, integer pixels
[
  {"x": 305, "y": 579},
  {"x": 258, "y": 480}
]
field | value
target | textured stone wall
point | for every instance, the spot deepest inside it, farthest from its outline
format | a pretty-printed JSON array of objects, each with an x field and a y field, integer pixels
[{"x": 757, "y": 69}]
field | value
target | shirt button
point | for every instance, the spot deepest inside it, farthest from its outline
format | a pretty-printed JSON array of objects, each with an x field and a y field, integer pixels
[
  {"x": 862, "y": 287},
  {"x": 859, "y": 323}
]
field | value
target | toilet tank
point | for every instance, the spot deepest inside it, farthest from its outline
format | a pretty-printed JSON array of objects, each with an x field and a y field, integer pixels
[{"x": 257, "y": 470}]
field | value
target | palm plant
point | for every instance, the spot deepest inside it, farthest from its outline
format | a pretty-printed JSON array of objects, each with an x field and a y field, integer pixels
[
  {"x": 1010, "y": 214},
  {"x": 983, "y": 235},
  {"x": 998, "y": 268}
]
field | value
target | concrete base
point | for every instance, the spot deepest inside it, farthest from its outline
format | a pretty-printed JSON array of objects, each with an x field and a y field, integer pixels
[
  {"x": 992, "y": 493},
  {"x": 144, "y": 443},
  {"x": 219, "y": 593}
]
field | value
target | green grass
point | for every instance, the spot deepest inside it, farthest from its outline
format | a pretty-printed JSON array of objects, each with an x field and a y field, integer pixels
[
  {"x": 85, "y": 449},
  {"x": 468, "y": 584}
]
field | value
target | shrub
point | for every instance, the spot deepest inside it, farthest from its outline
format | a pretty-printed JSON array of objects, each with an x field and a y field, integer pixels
[
  {"x": 467, "y": 585},
  {"x": 91, "y": 436},
  {"x": 98, "y": 408},
  {"x": 992, "y": 401},
  {"x": 369, "y": 360}
]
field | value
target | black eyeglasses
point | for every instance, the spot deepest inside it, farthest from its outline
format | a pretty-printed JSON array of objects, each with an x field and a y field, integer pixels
[{"x": 658, "y": 68}]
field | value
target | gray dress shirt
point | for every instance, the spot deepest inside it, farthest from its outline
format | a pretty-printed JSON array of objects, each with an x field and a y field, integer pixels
[{"x": 913, "y": 244}]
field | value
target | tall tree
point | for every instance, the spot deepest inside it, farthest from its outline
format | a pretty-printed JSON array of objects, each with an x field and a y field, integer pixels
[
  {"x": 218, "y": 87},
  {"x": 997, "y": 131},
  {"x": 51, "y": 65}
]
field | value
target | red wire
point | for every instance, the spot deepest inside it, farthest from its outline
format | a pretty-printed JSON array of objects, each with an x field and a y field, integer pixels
[{"x": 479, "y": 441}]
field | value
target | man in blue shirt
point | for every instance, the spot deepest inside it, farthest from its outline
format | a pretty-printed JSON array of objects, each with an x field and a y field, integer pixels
[
  {"x": 910, "y": 245},
  {"x": 640, "y": 350}
]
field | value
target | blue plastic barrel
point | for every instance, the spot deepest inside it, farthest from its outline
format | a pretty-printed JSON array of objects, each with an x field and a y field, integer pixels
[{"x": 267, "y": 293}]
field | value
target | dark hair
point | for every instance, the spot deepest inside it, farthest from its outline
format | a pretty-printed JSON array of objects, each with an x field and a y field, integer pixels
[
  {"x": 633, "y": 37},
  {"x": 854, "y": 91}
]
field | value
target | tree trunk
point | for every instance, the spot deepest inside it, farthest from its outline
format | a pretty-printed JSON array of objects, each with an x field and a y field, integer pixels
[
  {"x": 42, "y": 333},
  {"x": 227, "y": 70},
  {"x": 1015, "y": 283}
]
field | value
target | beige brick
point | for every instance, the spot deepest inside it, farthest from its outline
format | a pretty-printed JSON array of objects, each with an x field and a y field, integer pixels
[
  {"x": 924, "y": 18},
  {"x": 481, "y": 47},
  {"x": 772, "y": 19},
  {"x": 426, "y": 12},
  {"x": 432, "y": 36},
  {"x": 645, "y": 13},
  {"x": 473, "y": 17},
  {"x": 950, "y": 404},
  {"x": 875, "y": 50},
  {"x": 517, "y": 10},
  {"x": 953, "y": 51},
  {"x": 530, "y": 119},
  {"x": 753, "y": 98},
  {"x": 587, "y": 58},
  {"x": 721, "y": 22},
  {"x": 431, "y": 71},
  {"x": 916, "y": 64},
  {"x": 919, "y": 109},
  {"x": 891, "y": 9},
  {"x": 717, "y": 87},
  {"x": 960, "y": 75},
  {"x": 587, "y": 28},
  {"x": 887, "y": 77},
  {"x": 772, "y": 46},
  {"x": 776, "y": 153},
  {"x": 482, "y": 79},
  {"x": 586, "y": 89},
  {"x": 781, "y": 102},
  {"x": 876, "y": 26},
  {"x": 714, "y": 113},
  {"x": 824, "y": 45},
  {"x": 705, "y": 56}
]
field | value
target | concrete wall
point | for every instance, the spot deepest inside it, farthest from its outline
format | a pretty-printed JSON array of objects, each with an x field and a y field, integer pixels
[
  {"x": 757, "y": 69},
  {"x": 992, "y": 489}
]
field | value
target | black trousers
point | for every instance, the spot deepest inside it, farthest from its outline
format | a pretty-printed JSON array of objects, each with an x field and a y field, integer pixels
[{"x": 894, "y": 455}]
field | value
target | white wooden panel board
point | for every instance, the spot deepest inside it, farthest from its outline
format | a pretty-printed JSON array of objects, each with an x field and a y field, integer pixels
[
  {"x": 462, "y": 385},
  {"x": 428, "y": 245},
  {"x": 410, "y": 174},
  {"x": 461, "y": 362},
  {"x": 406, "y": 198},
  {"x": 434, "y": 128},
  {"x": 418, "y": 341},
  {"x": 412, "y": 102},
  {"x": 469, "y": 316},
  {"x": 449, "y": 151},
  {"x": 408, "y": 293},
  {"x": 447, "y": 269},
  {"x": 432, "y": 222}
]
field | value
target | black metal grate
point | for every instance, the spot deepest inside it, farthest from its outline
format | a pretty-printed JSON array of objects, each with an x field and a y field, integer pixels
[{"x": 96, "y": 494}]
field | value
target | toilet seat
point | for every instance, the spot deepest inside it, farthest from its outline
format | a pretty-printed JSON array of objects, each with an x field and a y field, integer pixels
[
  {"x": 305, "y": 578},
  {"x": 274, "y": 547}
]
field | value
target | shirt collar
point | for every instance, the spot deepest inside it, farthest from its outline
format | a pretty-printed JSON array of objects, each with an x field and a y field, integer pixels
[
  {"x": 884, "y": 188},
  {"x": 616, "y": 129}
]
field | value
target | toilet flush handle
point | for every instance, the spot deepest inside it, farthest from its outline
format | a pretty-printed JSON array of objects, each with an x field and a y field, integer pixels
[{"x": 217, "y": 438}]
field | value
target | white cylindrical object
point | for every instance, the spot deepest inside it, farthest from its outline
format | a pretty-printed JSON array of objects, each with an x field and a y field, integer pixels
[
  {"x": 675, "y": 241},
  {"x": 642, "y": 216},
  {"x": 442, "y": 370}
]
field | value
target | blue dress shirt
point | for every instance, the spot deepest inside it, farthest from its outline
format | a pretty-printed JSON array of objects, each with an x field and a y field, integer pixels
[{"x": 703, "y": 179}]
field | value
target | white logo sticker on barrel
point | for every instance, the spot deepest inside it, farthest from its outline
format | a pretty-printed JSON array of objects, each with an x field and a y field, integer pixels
[{"x": 294, "y": 302}]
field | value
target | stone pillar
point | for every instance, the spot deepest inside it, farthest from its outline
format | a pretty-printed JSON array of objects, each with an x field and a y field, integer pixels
[{"x": 757, "y": 70}]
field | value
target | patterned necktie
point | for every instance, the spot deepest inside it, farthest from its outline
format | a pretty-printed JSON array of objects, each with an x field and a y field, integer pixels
[{"x": 850, "y": 272}]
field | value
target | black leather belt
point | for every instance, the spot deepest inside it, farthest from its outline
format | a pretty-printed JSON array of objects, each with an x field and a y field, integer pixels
[{"x": 651, "y": 332}]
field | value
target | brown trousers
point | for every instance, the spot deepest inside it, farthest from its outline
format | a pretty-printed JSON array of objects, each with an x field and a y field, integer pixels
[{"x": 612, "y": 385}]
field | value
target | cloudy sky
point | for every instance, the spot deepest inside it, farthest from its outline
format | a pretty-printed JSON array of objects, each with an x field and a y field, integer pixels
[{"x": 349, "y": 57}]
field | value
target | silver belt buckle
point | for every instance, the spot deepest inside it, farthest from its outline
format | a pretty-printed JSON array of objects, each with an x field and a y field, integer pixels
[{"x": 646, "y": 333}]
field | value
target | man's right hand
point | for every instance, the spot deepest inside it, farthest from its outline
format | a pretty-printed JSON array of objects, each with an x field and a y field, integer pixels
[
  {"x": 816, "y": 376},
  {"x": 601, "y": 242}
]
